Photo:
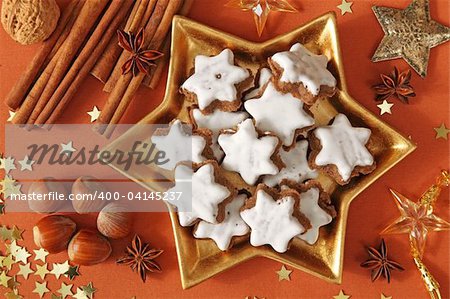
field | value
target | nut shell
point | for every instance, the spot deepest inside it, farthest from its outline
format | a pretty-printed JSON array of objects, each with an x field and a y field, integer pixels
[
  {"x": 29, "y": 21},
  {"x": 44, "y": 187},
  {"x": 87, "y": 186},
  {"x": 114, "y": 221},
  {"x": 54, "y": 232},
  {"x": 88, "y": 247}
]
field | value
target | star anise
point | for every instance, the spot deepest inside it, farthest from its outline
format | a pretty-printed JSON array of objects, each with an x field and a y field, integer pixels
[
  {"x": 140, "y": 257},
  {"x": 140, "y": 59},
  {"x": 379, "y": 263},
  {"x": 395, "y": 84}
]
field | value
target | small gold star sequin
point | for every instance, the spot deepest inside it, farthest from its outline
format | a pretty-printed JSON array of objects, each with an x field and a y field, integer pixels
[
  {"x": 16, "y": 233},
  {"x": 22, "y": 255},
  {"x": 89, "y": 290},
  {"x": 25, "y": 270},
  {"x": 11, "y": 116},
  {"x": 94, "y": 114},
  {"x": 80, "y": 294},
  {"x": 41, "y": 271},
  {"x": 345, "y": 7},
  {"x": 40, "y": 254},
  {"x": 13, "y": 283},
  {"x": 60, "y": 269},
  {"x": 14, "y": 294},
  {"x": 41, "y": 288},
  {"x": 5, "y": 233},
  {"x": 385, "y": 107},
  {"x": 284, "y": 274},
  {"x": 409, "y": 34},
  {"x": 442, "y": 132},
  {"x": 72, "y": 272},
  {"x": 4, "y": 279},
  {"x": 8, "y": 261},
  {"x": 65, "y": 290},
  {"x": 341, "y": 295}
]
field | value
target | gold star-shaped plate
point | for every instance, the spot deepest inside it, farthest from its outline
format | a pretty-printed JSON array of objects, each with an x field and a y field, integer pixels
[{"x": 201, "y": 259}]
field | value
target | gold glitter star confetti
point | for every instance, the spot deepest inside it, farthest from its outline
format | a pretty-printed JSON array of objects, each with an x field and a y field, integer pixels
[
  {"x": 60, "y": 269},
  {"x": 4, "y": 279},
  {"x": 385, "y": 107},
  {"x": 80, "y": 294},
  {"x": 14, "y": 294},
  {"x": 26, "y": 164},
  {"x": 41, "y": 271},
  {"x": 409, "y": 34},
  {"x": 67, "y": 148},
  {"x": 54, "y": 296},
  {"x": 94, "y": 114},
  {"x": 22, "y": 256},
  {"x": 11, "y": 116},
  {"x": 89, "y": 290},
  {"x": 72, "y": 272},
  {"x": 385, "y": 297},
  {"x": 16, "y": 233},
  {"x": 41, "y": 254},
  {"x": 12, "y": 190},
  {"x": 13, "y": 283},
  {"x": 41, "y": 289},
  {"x": 8, "y": 164},
  {"x": 65, "y": 290},
  {"x": 341, "y": 295},
  {"x": 261, "y": 9},
  {"x": 345, "y": 7},
  {"x": 8, "y": 261},
  {"x": 13, "y": 247},
  {"x": 5, "y": 233},
  {"x": 25, "y": 270},
  {"x": 442, "y": 132},
  {"x": 284, "y": 274}
]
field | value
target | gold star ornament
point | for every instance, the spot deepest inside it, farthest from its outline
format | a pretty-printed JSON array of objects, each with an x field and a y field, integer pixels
[
  {"x": 284, "y": 274},
  {"x": 409, "y": 34},
  {"x": 261, "y": 9},
  {"x": 345, "y": 7},
  {"x": 442, "y": 132},
  {"x": 417, "y": 218}
]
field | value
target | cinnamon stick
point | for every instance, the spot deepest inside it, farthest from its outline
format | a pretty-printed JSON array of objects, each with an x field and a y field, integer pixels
[
  {"x": 155, "y": 43},
  {"x": 23, "y": 85},
  {"x": 124, "y": 80},
  {"x": 83, "y": 25},
  {"x": 110, "y": 30},
  {"x": 136, "y": 25},
  {"x": 103, "y": 67},
  {"x": 92, "y": 44}
]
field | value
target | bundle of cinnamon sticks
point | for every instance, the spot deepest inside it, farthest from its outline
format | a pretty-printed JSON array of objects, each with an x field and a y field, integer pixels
[
  {"x": 65, "y": 59},
  {"x": 155, "y": 16}
]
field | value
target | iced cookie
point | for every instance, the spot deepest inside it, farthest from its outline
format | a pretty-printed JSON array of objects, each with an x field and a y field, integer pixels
[
  {"x": 264, "y": 76},
  {"x": 217, "y": 83},
  {"x": 340, "y": 150},
  {"x": 296, "y": 166},
  {"x": 302, "y": 73},
  {"x": 232, "y": 226},
  {"x": 175, "y": 140},
  {"x": 280, "y": 113},
  {"x": 217, "y": 121},
  {"x": 315, "y": 204},
  {"x": 248, "y": 153},
  {"x": 203, "y": 194},
  {"x": 274, "y": 217}
]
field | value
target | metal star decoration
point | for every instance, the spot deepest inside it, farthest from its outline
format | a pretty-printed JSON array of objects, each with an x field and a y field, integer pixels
[
  {"x": 261, "y": 9},
  {"x": 284, "y": 274},
  {"x": 409, "y": 34},
  {"x": 417, "y": 219}
]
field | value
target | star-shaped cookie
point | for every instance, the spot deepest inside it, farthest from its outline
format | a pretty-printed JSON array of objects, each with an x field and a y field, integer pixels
[
  {"x": 343, "y": 147},
  {"x": 217, "y": 121},
  {"x": 200, "y": 194},
  {"x": 233, "y": 225},
  {"x": 279, "y": 113},
  {"x": 215, "y": 79},
  {"x": 296, "y": 166},
  {"x": 176, "y": 143},
  {"x": 247, "y": 154},
  {"x": 271, "y": 218}
]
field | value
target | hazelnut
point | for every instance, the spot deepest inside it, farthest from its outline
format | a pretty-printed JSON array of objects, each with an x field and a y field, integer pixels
[
  {"x": 53, "y": 232},
  {"x": 47, "y": 192},
  {"x": 88, "y": 247},
  {"x": 114, "y": 221},
  {"x": 84, "y": 188}
]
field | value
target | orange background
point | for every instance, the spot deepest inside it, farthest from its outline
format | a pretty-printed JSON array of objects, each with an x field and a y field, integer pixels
[{"x": 360, "y": 34}]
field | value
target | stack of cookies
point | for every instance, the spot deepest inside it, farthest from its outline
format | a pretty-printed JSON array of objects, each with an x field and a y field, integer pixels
[{"x": 260, "y": 126}]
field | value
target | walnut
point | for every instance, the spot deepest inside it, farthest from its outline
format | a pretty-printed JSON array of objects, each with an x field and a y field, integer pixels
[{"x": 29, "y": 21}]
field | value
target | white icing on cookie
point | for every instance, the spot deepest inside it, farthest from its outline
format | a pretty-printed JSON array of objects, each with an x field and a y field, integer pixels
[
  {"x": 343, "y": 146},
  {"x": 216, "y": 121},
  {"x": 264, "y": 76},
  {"x": 215, "y": 78},
  {"x": 247, "y": 154},
  {"x": 309, "y": 206},
  {"x": 175, "y": 143},
  {"x": 279, "y": 113},
  {"x": 297, "y": 168},
  {"x": 272, "y": 222},
  {"x": 223, "y": 232},
  {"x": 301, "y": 66},
  {"x": 200, "y": 194}
]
